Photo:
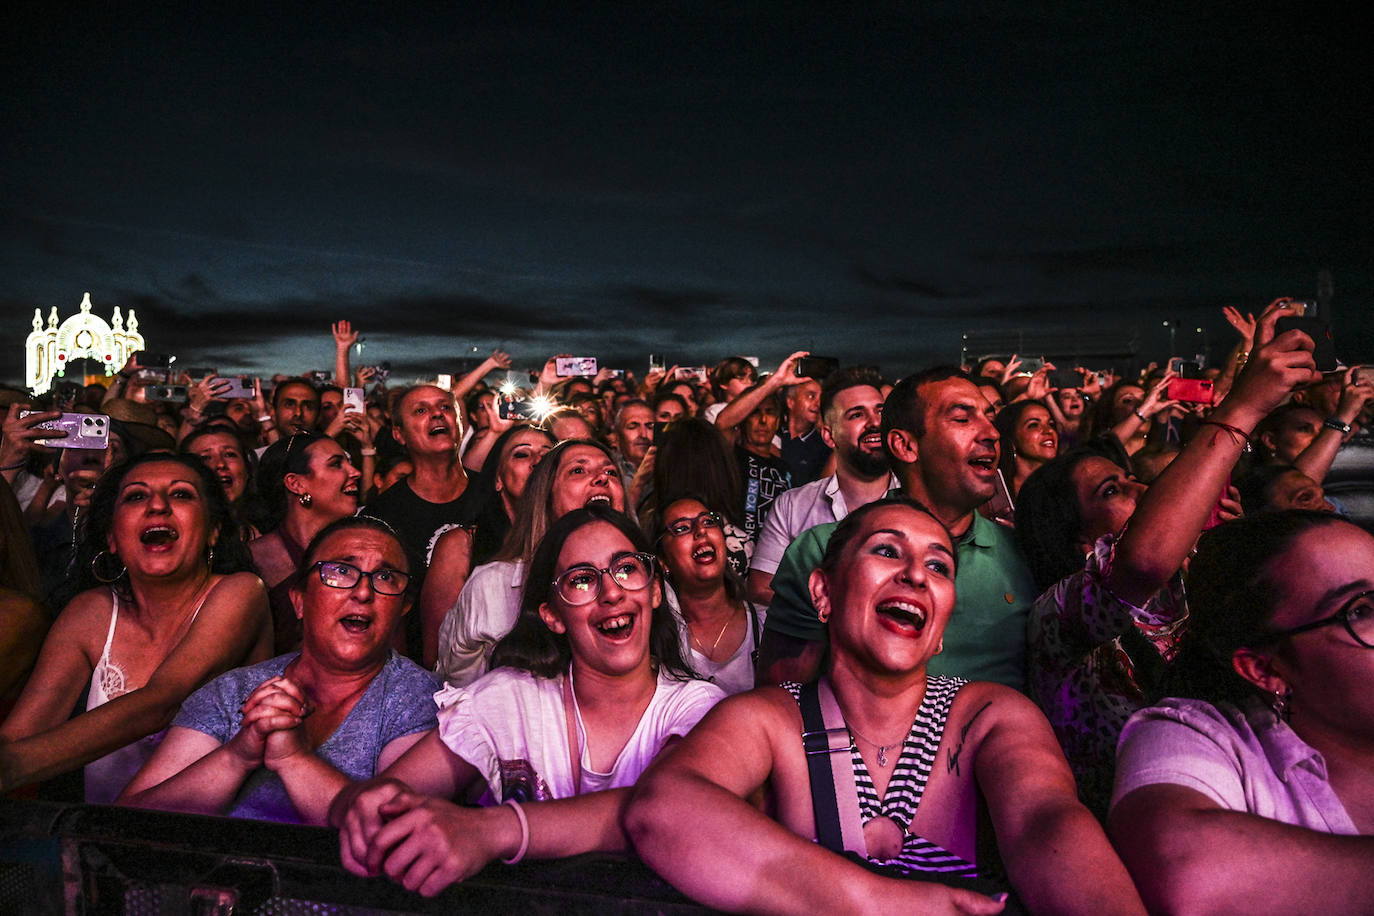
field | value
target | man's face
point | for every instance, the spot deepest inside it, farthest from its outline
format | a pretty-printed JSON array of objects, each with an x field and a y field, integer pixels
[
  {"x": 852, "y": 427},
  {"x": 240, "y": 410},
  {"x": 427, "y": 421},
  {"x": 957, "y": 456},
  {"x": 760, "y": 427},
  {"x": 634, "y": 432},
  {"x": 296, "y": 408},
  {"x": 804, "y": 402}
]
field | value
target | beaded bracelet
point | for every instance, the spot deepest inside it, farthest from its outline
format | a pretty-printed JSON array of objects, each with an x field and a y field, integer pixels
[{"x": 524, "y": 832}]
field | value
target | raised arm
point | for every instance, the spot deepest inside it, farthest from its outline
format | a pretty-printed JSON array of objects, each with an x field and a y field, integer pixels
[
  {"x": 1056, "y": 854},
  {"x": 344, "y": 339},
  {"x": 1170, "y": 515},
  {"x": 1315, "y": 460},
  {"x": 233, "y": 628},
  {"x": 1187, "y": 853},
  {"x": 741, "y": 407},
  {"x": 497, "y": 360}
]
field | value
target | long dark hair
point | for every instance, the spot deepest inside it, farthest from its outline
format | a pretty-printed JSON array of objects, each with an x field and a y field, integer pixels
[
  {"x": 536, "y": 505},
  {"x": 1048, "y": 521},
  {"x": 285, "y": 456},
  {"x": 249, "y": 509},
  {"x": 1231, "y": 602},
  {"x": 230, "y": 554},
  {"x": 734, "y": 588},
  {"x": 533, "y": 647},
  {"x": 492, "y": 523},
  {"x": 694, "y": 459}
]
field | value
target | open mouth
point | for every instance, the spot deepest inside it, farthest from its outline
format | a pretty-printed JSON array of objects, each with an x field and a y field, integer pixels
[
  {"x": 984, "y": 463},
  {"x": 619, "y": 627},
  {"x": 440, "y": 429},
  {"x": 871, "y": 440},
  {"x": 598, "y": 499},
  {"x": 704, "y": 554},
  {"x": 905, "y": 617},
  {"x": 158, "y": 536},
  {"x": 356, "y": 623},
  {"x": 351, "y": 489}
]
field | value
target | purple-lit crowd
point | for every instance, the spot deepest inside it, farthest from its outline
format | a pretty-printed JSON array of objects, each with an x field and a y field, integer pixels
[{"x": 995, "y": 637}]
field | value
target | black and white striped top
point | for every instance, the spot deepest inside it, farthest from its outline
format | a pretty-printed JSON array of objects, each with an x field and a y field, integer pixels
[{"x": 908, "y": 782}]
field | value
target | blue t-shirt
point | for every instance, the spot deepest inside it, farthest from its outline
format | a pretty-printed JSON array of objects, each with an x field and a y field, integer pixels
[{"x": 398, "y": 702}]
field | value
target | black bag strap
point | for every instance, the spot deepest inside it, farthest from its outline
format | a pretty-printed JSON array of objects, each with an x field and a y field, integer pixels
[{"x": 834, "y": 795}]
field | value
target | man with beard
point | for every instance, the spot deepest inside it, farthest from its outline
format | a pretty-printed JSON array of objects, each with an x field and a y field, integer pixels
[
  {"x": 851, "y": 410},
  {"x": 434, "y": 497},
  {"x": 938, "y": 433}
]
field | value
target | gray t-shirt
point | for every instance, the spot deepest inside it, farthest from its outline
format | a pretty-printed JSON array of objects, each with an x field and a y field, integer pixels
[{"x": 398, "y": 702}]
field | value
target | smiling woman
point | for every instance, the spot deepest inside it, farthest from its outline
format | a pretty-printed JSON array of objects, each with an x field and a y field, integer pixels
[
  {"x": 311, "y": 481},
  {"x": 276, "y": 741},
  {"x": 176, "y": 608},
  {"x": 586, "y": 690}
]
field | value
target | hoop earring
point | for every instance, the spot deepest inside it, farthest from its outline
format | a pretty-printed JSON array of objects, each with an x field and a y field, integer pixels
[
  {"x": 96, "y": 570},
  {"x": 304, "y": 499}
]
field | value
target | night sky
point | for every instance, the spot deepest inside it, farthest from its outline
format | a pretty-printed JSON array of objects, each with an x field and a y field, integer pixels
[{"x": 701, "y": 180}]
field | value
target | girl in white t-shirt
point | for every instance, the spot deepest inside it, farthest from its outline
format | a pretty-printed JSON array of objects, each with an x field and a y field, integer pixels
[{"x": 586, "y": 690}]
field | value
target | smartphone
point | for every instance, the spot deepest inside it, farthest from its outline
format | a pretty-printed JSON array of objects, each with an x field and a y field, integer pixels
[
  {"x": 1214, "y": 517},
  {"x": 353, "y": 400},
  {"x": 239, "y": 387},
  {"x": 568, "y": 366},
  {"x": 154, "y": 376},
  {"x": 816, "y": 367},
  {"x": 153, "y": 360},
  {"x": 693, "y": 373},
  {"x": 515, "y": 407},
  {"x": 1066, "y": 378},
  {"x": 660, "y": 427},
  {"x": 1030, "y": 365},
  {"x": 1363, "y": 375},
  {"x": 1323, "y": 349},
  {"x": 199, "y": 372},
  {"x": 320, "y": 377},
  {"x": 1000, "y": 507},
  {"x": 617, "y": 373},
  {"x": 1185, "y": 368},
  {"x": 657, "y": 362},
  {"x": 84, "y": 430},
  {"x": 166, "y": 393},
  {"x": 1304, "y": 308},
  {"x": 444, "y": 380},
  {"x": 1191, "y": 390}
]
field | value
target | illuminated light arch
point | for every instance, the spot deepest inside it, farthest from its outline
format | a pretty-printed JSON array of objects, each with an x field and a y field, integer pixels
[{"x": 49, "y": 350}]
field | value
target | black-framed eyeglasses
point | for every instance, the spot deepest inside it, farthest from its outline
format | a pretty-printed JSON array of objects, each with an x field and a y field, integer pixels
[
  {"x": 581, "y": 584},
  {"x": 705, "y": 521},
  {"x": 336, "y": 574},
  {"x": 1357, "y": 615}
]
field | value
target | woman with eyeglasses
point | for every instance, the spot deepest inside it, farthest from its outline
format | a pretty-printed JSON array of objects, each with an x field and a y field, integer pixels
[
  {"x": 573, "y": 474},
  {"x": 584, "y": 692},
  {"x": 722, "y": 628},
  {"x": 277, "y": 740},
  {"x": 1252, "y": 789},
  {"x": 306, "y": 481}
]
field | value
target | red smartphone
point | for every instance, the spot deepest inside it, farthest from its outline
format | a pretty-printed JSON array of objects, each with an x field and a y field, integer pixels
[{"x": 1191, "y": 390}]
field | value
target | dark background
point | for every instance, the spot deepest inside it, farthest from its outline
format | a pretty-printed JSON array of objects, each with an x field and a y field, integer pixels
[{"x": 698, "y": 179}]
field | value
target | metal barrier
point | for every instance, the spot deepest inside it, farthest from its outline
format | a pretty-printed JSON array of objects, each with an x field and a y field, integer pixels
[{"x": 93, "y": 859}]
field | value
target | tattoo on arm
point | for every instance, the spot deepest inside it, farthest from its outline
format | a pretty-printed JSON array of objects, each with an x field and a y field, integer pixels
[{"x": 952, "y": 766}]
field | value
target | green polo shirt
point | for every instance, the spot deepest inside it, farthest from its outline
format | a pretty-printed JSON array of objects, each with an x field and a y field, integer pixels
[{"x": 985, "y": 639}]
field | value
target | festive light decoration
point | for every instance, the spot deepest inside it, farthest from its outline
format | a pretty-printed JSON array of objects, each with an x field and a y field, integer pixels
[{"x": 49, "y": 351}]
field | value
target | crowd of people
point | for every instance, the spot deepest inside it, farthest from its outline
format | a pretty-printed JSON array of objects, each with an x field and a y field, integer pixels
[{"x": 985, "y": 638}]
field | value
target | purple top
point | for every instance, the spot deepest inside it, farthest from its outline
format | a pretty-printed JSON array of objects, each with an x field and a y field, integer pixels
[{"x": 1244, "y": 761}]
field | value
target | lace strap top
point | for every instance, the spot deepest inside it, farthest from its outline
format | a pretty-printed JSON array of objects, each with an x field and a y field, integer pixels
[{"x": 108, "y": 680}]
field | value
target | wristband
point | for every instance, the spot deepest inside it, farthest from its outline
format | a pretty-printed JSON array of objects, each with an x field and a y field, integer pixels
[
  {"x": 1236, "y": 432},
  {"x": 524, "y": 832},
  {"x": 367, "y": 452},
  {"x": 1139, "y": 415},
  {"x": 13, "y": 467},
  {"x": 1338, "y": 425},
  {"x": 265, "y": 418}
]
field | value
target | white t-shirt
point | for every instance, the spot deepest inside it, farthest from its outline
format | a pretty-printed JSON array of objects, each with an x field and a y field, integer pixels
[
  {"x": 510, "y": 726},
  {"x": 486, "y": 610}
]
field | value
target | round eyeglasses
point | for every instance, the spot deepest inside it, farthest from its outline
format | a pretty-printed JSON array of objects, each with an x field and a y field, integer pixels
[
  {"x": 681, "y": 527},
  {"x": 1357, "y": 615},
  {"x": 581, "y": 584},
  {"x": 345, "y": 575}
]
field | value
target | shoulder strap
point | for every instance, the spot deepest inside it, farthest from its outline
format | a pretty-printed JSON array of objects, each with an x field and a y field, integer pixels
[{"x": 834, "y": 796}]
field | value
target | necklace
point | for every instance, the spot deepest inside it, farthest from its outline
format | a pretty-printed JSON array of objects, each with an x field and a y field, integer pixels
[
  {"x": 709, "y": 654},
  {"x": 882, "y": 748}
]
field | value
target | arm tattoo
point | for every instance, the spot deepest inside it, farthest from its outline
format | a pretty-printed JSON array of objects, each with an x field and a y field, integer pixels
[{"x": 953, "y": 764}]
